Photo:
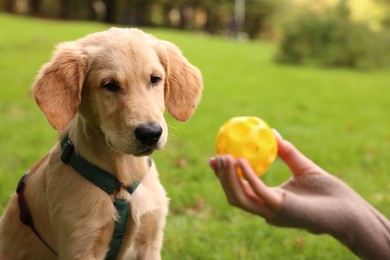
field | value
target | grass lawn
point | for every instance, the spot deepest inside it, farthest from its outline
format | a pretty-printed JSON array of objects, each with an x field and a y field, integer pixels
[{"x": 340, "y": 118}]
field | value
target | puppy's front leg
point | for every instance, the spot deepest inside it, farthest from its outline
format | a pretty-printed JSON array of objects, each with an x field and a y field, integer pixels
[
  {"x": 85, "y": 241},
  {"x": 150, "y": 238}
]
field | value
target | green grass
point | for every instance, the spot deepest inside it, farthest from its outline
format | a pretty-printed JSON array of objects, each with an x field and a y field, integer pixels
[{"x": 339, "y": 118}]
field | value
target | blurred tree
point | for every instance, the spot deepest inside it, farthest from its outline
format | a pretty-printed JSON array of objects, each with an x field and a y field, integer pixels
[
  {"x": 110, "y": 15},
  {"x": 182, "y": 9},
  {"x": 8, "y": 6},
  {"x": 257, "y": 15},
  {"x": 65, "y": 9},
  {"x": 35, "y": 7},
  {"x": 135, "y": 12},
  {"x": 166, "y": 7},
  {"x": 214, "y": 14},
  {"x": 92, "y": 14}
]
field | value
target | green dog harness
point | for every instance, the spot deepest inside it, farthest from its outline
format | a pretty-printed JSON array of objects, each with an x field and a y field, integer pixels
[
  {"x": 106, "y": 182},
  {"x": 97, "y": 176}
]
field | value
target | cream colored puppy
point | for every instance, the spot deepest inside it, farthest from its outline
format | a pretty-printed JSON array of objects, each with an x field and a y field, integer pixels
[{"x": 107, "y": 93}]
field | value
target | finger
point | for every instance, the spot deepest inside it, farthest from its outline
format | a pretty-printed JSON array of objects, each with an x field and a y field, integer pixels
[
  {"x": 229, "y": 177},
  {"x": 238, "y": 193},
  {"x": 269, "y": 196},
  {"x": 254, "y": 203},
  {"x": 298, "y": 163},
  {"x": 213, "y": 164},
  {"x": 248, "y": 190},
  {"x": 224, "y": 172}
]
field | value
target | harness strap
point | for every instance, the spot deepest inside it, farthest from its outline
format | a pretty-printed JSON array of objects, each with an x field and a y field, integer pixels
[
  {"x": 25, "y": 213},
  {"x": 94, "y": 174},
  {"x": 106, "y": 182},
  {"x": 123, "y": 207}
]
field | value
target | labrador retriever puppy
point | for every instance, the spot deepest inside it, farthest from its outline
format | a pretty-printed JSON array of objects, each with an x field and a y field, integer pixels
[{"x": 106, "y": 94}]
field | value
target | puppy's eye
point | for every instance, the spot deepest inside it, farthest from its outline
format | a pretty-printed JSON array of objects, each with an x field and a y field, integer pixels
[
  {"x": 111, "y": 86},
  {"x": 154, "y": 80}
]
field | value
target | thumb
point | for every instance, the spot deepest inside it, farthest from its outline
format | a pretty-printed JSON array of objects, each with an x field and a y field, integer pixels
[{"x": 298, "y": 163}]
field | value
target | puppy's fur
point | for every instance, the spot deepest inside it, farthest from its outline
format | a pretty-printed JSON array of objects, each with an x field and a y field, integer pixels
[{"x": 98, "y": 90}]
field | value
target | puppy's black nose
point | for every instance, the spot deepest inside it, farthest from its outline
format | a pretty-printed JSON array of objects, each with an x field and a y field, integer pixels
[{"x": 148, "y": 134}]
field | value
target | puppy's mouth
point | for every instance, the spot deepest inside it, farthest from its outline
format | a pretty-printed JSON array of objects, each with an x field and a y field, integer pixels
[
  {"x": 136, "y": 150},
  {"x": 145, "y": 151}
]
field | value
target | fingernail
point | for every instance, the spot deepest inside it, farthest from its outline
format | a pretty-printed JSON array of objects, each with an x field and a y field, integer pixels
[
  {"x": 214, "y": 163},
  {"x": 276, "y": 132}
]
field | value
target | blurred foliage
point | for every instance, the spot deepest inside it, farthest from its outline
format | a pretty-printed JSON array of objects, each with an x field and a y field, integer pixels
[
  {"x": 209, "y": 16},
  {"x": 332, "y": 39},
  {"x": 220, "y": 17}
]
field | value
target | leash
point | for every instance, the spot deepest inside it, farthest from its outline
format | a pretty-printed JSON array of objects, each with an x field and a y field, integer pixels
[{"x": 95, "y": 175}]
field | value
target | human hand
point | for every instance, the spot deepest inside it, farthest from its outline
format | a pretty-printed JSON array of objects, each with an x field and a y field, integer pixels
[
  {"x": 312, "y": 199},
  {"x": 252, "y": 194}
]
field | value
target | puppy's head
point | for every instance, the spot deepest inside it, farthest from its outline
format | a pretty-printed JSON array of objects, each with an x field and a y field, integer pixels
[{"x": 119, "y": 82}]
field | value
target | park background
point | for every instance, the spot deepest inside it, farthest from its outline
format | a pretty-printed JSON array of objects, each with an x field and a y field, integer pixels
[{"x": 318, "y": 71}]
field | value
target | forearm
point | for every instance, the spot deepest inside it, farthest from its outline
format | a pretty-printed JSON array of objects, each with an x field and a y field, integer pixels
[{"x": 321, "y": 203}]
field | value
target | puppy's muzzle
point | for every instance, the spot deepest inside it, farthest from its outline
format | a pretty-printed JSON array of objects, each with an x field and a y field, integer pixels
[{"x": 148, "y": 134}]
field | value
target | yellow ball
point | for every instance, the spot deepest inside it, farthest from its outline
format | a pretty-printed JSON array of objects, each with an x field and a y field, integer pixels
[{"x": 248, "y": 137}]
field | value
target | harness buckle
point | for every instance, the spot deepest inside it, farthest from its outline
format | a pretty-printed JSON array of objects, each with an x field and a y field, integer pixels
[{"x": 67, "y": 151}]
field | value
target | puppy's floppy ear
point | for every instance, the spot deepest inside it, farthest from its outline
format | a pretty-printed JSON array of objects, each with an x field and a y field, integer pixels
[
  {"x": 183, "y": 86},
  {"x": 57, "y": 88}
]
